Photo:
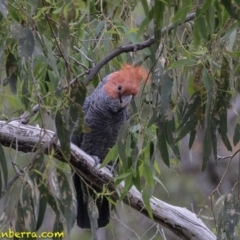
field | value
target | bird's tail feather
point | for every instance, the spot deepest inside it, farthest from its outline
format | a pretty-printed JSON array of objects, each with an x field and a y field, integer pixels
[{"x": 102, "y": 204}]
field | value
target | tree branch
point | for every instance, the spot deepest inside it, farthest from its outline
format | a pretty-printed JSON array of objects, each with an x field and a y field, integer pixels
[
  {"x": 132, "y": 48},
  {"x": 27, "y": 138},
  {"x": 122, "y": 49}
]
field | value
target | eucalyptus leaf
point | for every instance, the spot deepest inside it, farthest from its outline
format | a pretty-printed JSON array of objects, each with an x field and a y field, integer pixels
[
  {"x": 191, "y": 108},
  {"x": 63, "y": 131},
  {"x": 189, "y": 126},
  {"x": 236, "y": 136},
  {"x": 12, "y": 72},
  {"x": 207, "y": 148},
  {"x": 26, "y": 43},
  {"x": 225, "y": 139},
  {"x": 3, "y": 166},
  {"x": 4, "y": 8},
  {"x": 162, "y": 144},
  {"x": 146, "y": 195},
  {"x": 166, "y": 88}
]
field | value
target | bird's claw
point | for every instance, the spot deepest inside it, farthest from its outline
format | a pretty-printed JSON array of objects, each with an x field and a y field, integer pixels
[{"x": 96, "y": 159}]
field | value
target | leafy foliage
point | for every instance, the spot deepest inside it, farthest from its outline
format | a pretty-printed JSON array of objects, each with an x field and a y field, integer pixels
[
  {"x": 48, "y": 49},
  {"x": 228, "y": 219}
]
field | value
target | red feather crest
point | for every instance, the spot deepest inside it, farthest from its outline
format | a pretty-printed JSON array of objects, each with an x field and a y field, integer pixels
[{"x": 128, "y": 78}]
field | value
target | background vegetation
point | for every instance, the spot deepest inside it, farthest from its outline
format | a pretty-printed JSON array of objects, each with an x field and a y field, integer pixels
[{"x": 53, "y": 53}]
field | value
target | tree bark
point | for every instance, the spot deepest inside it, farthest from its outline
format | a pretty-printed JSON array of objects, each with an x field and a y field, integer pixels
[{"x": 26, "y": 138}]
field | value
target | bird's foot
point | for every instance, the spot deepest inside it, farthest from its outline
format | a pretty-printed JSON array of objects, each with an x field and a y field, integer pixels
[{"x": 96, "y": 159}]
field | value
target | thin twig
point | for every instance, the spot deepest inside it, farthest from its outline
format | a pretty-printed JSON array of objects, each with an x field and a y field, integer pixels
[
  {"x": 116, "y": 218},
  {"x": 89, "y": 59},
  {"x": 80, "y": 64},
  {"x": 219, "y": 184}
]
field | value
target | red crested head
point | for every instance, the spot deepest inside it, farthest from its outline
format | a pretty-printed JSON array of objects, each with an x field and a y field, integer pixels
[{"x": 126, "y": 81}]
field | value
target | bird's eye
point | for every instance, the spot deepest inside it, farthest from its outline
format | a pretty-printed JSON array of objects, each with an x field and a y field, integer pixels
[{"x": 119, "y": 88}]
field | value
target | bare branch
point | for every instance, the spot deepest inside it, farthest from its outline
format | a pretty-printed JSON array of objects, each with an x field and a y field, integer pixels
[{"x": 179, "y": 220}]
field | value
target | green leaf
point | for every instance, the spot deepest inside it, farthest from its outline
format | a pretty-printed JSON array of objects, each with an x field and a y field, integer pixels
[
  {"x": 10, "y": 204},
  {"x": 137, "y": 180},
  {"x": 225, "y": 75},
  {"x": 170, "y": 136},
  {"x": 151, "y": 152},
  {"x": 236, "y": 136},
  {"x": 214, "y": 123},
  {"x": 230, "y": 9},
  {"x": 225, "y": 140},
  {"x": 200, "y": 21},
  {"x": 189, "y": 126},
  {"x": 25, "y": 208},
  {"x": 93, "y": 215},
  {"x": 160, "y": 182},
  {"x": 12, "y": 72},
  {"x": 4, "y": 8},
  {"x": 0, "y": 183},
  {"x": 111, "y": 156},
  {"x": 42, "y": 205},
  {"x": 25, "y": 93},
  {"x": 207, "y": 81},
  {"x": 58, "y": 227},
  {"x": 223, "y": 117},
  {"x": 166, "y": 89},
  {"x": 76, "y": 120},
  {"x": 36, "y": 172},
  {"x": 3, "y": 166},
  {"x": 148, "y": 175},
  {"x": 182, "y": 63},
  {"x": 228, "y": 218},
  {"x": 145, "y": 8},
  {"x": 191, "y": 108},
  {"x": 162, "y": 142},
  {"x": 78, "y": 95},
  {"x": 63, "y": 131},
  {"x": 237, "y": 2},
  {"x": 146, "y": 195},
  {"x": 208, "y": 114},
  {"x": 63, "y": 32},
  {"x": 181, "y": 14},
  {"x": 210, "y": 18},
  {"x": 53, "y": 203},
  {"x": 206, "y": 6},
  {"x": 123, "y": 176},
  {"x": 192, "y": 138},
  {"x": 158, "y": 13},
  {"x": 121, "y": 142},
  {"x": 170, "y": 131},
  {"x": 153, "y": 119},
  {"x": 196, "y": 31},
  {"x": 26, "y": 43},
  {"x": 207, "y": 147},
  {"x": 127, "y": 185},
  {"x": 66, "y": 199}
]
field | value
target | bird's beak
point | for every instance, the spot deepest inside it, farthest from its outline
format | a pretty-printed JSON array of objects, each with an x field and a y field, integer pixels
[{"x": 125, "y": 100}]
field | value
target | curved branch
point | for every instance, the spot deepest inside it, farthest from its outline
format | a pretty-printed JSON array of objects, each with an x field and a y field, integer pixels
[
  {"x": 132, "y": 48},
  {"x": 27, "y": 138},
  {"x": 122, "y": 49}
]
